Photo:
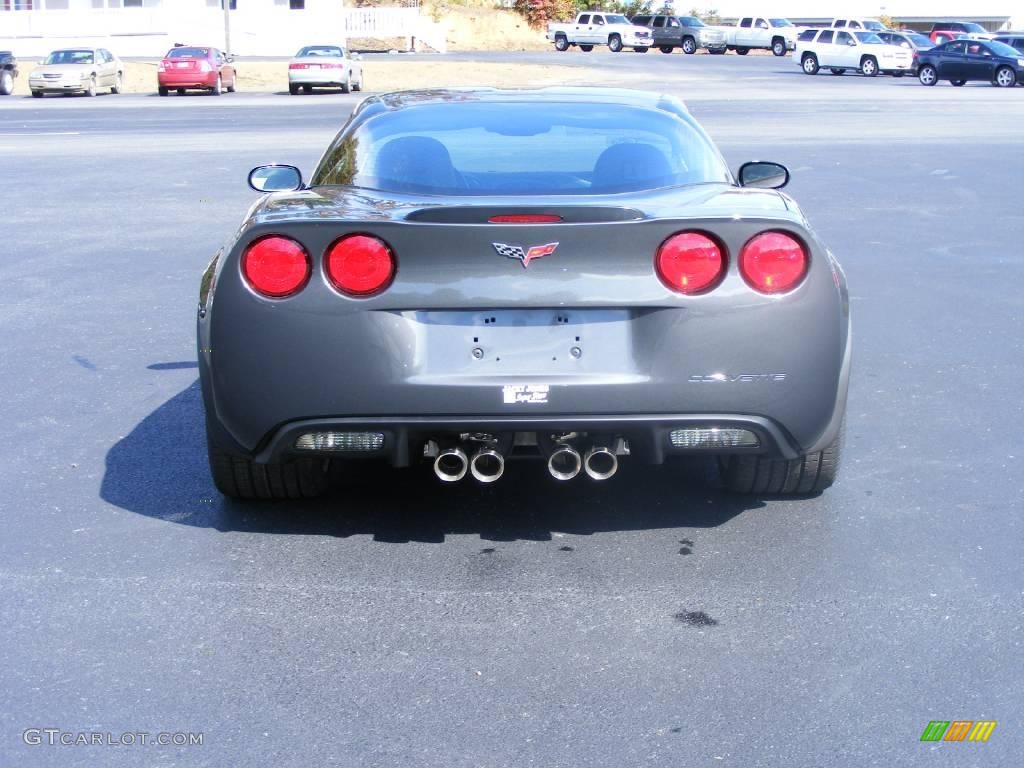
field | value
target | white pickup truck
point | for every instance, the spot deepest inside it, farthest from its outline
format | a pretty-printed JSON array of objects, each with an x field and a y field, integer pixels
[
  {"x": 590, "y": 29},
  {"x": 777, "y": 35}
]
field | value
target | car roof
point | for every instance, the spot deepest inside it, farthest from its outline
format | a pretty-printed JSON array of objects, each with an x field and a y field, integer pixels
[{"x": 554, "y": 94}]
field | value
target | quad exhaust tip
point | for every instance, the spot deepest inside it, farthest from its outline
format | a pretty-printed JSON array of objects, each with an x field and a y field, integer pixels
[
  {"x": 487, "y": 465},
  {"x": 600, "y": 463},
  {"x": 451, "y": 465},
  {"x": 564, "y": 463}
]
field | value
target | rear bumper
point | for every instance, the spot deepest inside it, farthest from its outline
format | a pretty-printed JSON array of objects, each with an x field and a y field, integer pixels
[
  {"x": 187, "y": 80},
  {"x": 335, "y": 77},
  {"x": 648, "y": 436}
]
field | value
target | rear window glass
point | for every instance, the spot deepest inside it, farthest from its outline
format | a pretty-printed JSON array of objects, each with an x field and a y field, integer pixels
[
  {"x": 320, "y": 50},
  {"x": 512, "y": 148},
  {"x": 188, "y": 53}
]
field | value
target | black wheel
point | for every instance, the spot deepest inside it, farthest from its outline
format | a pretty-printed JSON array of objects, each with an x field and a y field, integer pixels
[
  {"x": 586, "y": 48},
  {"x": 689, "y": 45},
  {"x": 779, "y": 46},
  {"x": 234, "y": 83},
  {"x": 665, "y": 48},
  {"x": 927, "y": 74},
  {"x": 358, "y": 84},
  {"x": 640, "y": 49},
  {"x": 37, "y": 94},
  {"x": 346, "y": 87},
  {"x": 242, "y": 478},
  {"x": 218, "y": 89},
  {"x": 958, "y": 83},
  {"x": 869, "y": 66},
  {"x": 6, "y": 82},
  {"x": 809, "y": 64},
  {"x": 118, "y": 85},
  {"x": 307, "y": 89},
  {"x": 807, "y": 475},
  {"x": 1005, "y": 78},
  {"x": 293, "y": 89},
  {"x": 181, "y": 91},
  {"x": 717, "y": 51},
  {"x": 162, "y": 91},
  {"x": 614, "y": 43},
  {"x": 742, "y": 51},
  {"x": 561, "y": 43},
  {"x": 898, "y": 73},
  {"x": 836, "y": 70}
]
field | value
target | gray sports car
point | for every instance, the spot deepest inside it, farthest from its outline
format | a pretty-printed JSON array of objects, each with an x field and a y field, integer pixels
[{"x": 569, "y": 274}]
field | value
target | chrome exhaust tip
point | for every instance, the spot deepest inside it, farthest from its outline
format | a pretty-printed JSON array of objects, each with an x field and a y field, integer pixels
[
  {"x": 487, "y": 465},
  {"x": 451, "y": 465},
  {"x": 564, "y": 463},
  {"x": 600, "y": 463}
]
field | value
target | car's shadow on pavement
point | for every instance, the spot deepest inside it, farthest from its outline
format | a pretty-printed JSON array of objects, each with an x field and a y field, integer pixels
[{"x": 159, "y": 470}]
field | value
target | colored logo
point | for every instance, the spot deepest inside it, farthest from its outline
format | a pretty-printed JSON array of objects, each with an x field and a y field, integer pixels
[
  {"x": 524, "y": 255},
  {"x": 958, "y": 730}
]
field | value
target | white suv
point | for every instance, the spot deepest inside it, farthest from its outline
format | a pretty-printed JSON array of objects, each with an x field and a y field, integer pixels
[
  {"x": 840, "y": 50},
  {"x": 872, "y": 25}
]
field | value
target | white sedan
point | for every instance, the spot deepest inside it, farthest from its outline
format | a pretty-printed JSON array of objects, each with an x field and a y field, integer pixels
[
  {"x": 840, "y": 50},
  {"x": 77, "y": 70},
  {"x": 325, "y": 66}
]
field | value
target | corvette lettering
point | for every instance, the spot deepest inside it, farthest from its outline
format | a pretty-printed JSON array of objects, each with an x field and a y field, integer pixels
[
  {"x": 715, "y": 378},
  {"x": 524, "y": 255}
]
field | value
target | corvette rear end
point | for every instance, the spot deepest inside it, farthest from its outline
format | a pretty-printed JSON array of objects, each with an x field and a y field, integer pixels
[{"x": 437, "y": 301}]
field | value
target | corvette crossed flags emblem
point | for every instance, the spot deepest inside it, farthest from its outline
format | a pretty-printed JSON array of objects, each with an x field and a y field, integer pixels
[{"x": 524, "y": 255}]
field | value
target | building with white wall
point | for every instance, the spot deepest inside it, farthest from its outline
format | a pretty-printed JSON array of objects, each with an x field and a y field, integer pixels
[{"x": 149, "y": 27}]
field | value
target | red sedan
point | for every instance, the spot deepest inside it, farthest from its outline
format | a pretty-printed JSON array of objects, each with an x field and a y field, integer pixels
[{"x": 190, "y": 68}]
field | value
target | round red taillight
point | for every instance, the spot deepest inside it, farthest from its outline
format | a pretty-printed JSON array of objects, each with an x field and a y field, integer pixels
[
  {"x": 360, "y": 265},
  {"x": 690, "y": 262},
  {"x": 773, "y": 262},
  {"x": 276, "y": 266}
]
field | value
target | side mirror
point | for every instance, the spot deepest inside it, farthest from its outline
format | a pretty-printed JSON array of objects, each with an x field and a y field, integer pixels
[
  {"x": 763, "y": 175},
  {"x": 275, "y": 178}
]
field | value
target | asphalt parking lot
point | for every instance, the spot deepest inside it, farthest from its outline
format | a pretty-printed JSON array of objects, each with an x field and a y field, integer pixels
[{"x": 650, "y": 620}]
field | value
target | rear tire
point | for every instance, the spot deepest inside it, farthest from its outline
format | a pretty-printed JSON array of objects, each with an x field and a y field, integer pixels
[
  {"x": 809, "y": 64},
  {"x": 689, "y": 46},
  {"x": 162, "y": 91},
  {"x": 218, "y": 89},
  {"x": 346, "y": 87},
  {"x": 898, "y": 74},
  {"x": 665, "y": 48},
  {"x": 241, "y": 478},
  {"x": 837, "y": 70},
  {"x": 118, "y": 85},
  {"x": 807, "y": 475},
  {"x": 586, "y": 48},
  {"x": 614, "y": 43},
  {"x": 561, "y": 43},
  {"x": 928, "y": 75},
  {"x": 293, "y": 89},
  {"x": 869, "y": 67},
  {"x": 779, "y": 46},
  {"x": 6, "y": 82},
  {"x": 640, "y": 49},
  {"x": 742, "y": 51},
  {"x": 958, "y": 83},
  {"x": 37, "y": 94},
  {"x": 234, "y": 83}
]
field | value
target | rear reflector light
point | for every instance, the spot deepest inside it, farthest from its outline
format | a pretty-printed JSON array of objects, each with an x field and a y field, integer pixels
[
  {"x": 162, "y": 66},
  {"x": 690, "y": 262},
  {"x": 360, "y": 265},
  {"x": 355, "y": 442},
  {"x": 525, "y": 218},
  {"x": 713, "y": 437},
  {"x": 276, "y": 266},
  {"x": 773, "y": 262}
]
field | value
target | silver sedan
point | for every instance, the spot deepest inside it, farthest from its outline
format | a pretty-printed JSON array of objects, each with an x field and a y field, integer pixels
[
  {"x": 325, "y": 66},
  {"x": 77, "y": 70}
]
